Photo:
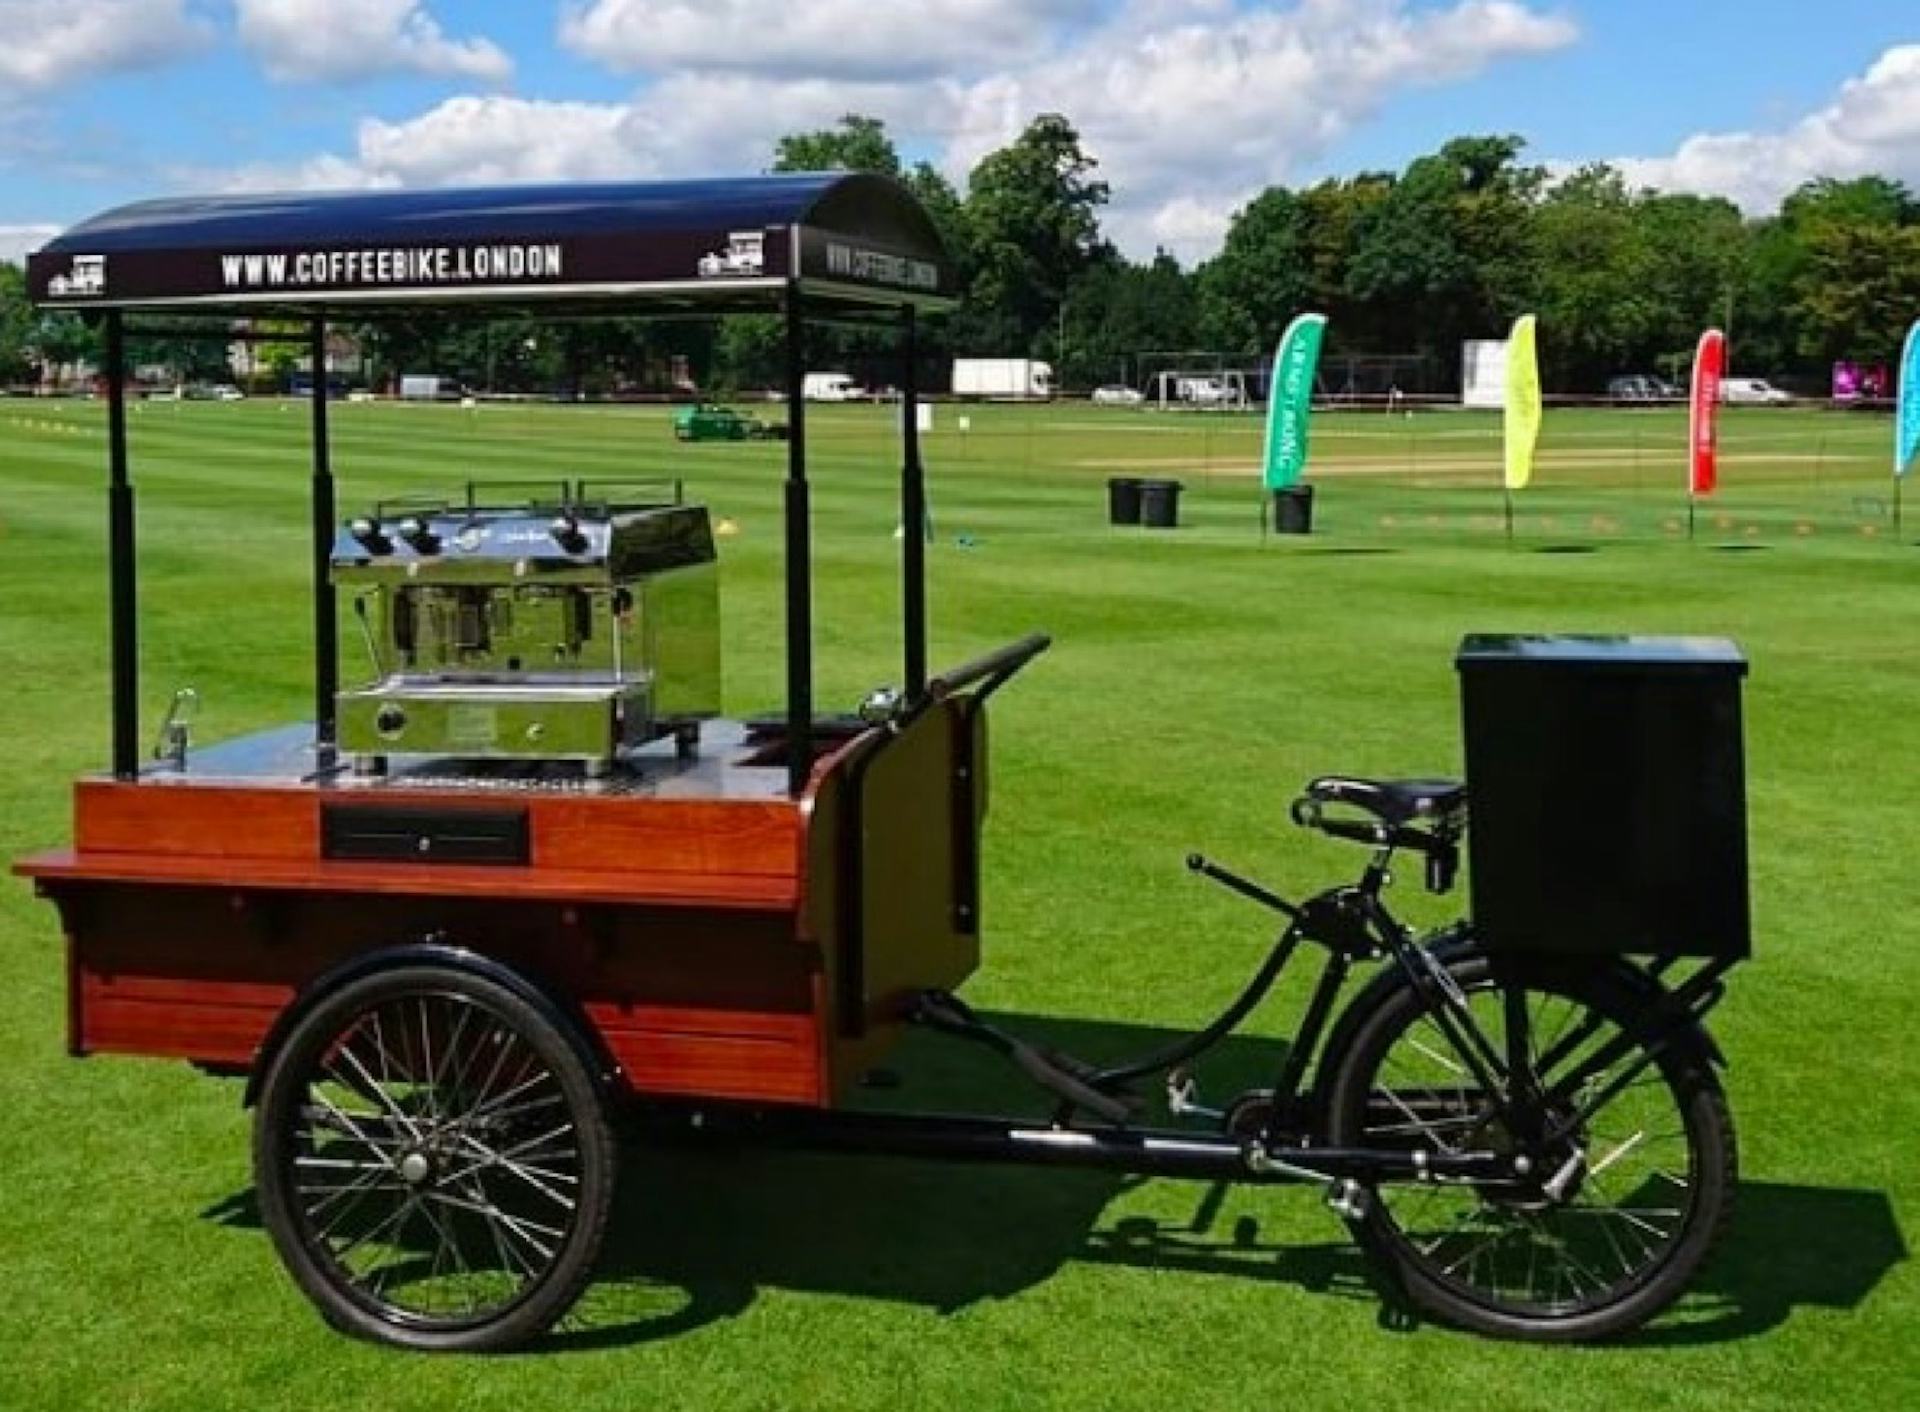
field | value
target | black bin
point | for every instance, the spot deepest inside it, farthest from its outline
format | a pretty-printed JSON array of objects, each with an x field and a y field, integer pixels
[
  {"x": 1607, "y": 784},
  {"x": 1160, "y": 503},
  {"x": 1293, "y": 510},
  {"x": 1123, "y": 500}
]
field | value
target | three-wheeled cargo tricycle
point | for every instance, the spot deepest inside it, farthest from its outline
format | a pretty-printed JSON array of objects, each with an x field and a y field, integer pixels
[{"x": 527, "y": 883}]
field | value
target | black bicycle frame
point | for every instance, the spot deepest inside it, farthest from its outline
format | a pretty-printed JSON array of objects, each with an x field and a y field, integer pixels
[{"x": 1353, "y": 923}]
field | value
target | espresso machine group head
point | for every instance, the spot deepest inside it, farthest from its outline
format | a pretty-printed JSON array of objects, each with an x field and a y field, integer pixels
[{"x": 569, "y": 623}]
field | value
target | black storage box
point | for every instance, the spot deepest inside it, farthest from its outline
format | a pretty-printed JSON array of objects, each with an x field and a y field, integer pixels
[
  {"x": 1607, "y": 791},
  {"x": 1123, "y": 500},
  {"x": 1293, "y": 510},
  {"x": 1160, "y": 504}
]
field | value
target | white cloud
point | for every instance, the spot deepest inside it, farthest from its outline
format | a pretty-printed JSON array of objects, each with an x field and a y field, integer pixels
[
  {"x": 45, "y": 44},
  {"x": 339, "y": 41},
  {"x": 1191, "y": 106},
  {"x": 683, "y": 125},
  {"x": 19, "y": 241},
  {"x": 893, "y": 39},
  {"x": 1195, "y": 112},
  {"x": 482, "y": 140},
  {"x": 1871, "y": 126}
]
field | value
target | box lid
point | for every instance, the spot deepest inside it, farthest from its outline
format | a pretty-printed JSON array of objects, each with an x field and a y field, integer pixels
[{"x": 1714, "y": 656}]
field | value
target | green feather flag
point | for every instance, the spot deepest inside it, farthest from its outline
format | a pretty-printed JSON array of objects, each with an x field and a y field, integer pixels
[{"x": 1290, "y": 400}]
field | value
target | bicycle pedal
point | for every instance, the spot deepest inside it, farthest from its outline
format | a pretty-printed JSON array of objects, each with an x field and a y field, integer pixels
[{"x": 1183, "y": 1097}]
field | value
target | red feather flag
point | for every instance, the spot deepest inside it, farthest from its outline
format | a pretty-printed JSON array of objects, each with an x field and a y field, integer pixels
[{"x": 1703, "y": 429}]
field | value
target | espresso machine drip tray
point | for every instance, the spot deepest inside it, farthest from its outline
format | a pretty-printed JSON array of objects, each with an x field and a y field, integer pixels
[{"x": 482, "y": 721}]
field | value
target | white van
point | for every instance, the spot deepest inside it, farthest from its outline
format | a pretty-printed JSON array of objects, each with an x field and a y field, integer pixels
[
  {"x": 831, "y": 387},
  {"x": 1751, "y": 390}
]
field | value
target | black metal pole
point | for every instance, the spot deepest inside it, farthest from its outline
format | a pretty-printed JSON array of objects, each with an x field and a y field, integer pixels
[
  {"x": 799, "y": 554},
  {"x": 326, "y": 637},
  {"x": 968, "y": 1137},
  {"x": 913, "y": 515},
  {"x": 122, "y": 586}
]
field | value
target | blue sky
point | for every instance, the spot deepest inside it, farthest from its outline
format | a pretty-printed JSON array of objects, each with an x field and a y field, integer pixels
[{"x": 1192, "y": 105}]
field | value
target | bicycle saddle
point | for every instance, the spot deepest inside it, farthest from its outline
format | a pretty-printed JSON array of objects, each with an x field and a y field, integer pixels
[{"x": 1392, "y": 801}]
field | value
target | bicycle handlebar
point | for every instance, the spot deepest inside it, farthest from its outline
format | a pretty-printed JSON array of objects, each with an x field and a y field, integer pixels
[{"x": 997, "y": 665}]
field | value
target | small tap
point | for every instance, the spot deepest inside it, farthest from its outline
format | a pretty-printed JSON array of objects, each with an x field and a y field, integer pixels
[{"x": 176, "y": 731}]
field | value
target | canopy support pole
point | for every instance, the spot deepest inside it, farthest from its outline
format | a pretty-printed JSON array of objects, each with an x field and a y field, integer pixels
[
  {"x": 122, "y": 589},
  {"x": 799, "y": 567},
  {"x": 326, "y": 636},
  {"x": 913, "y": 514}
]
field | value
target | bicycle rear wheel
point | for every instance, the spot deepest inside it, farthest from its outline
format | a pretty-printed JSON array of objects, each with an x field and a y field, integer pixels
[{"x": 1646, "y": 1180}]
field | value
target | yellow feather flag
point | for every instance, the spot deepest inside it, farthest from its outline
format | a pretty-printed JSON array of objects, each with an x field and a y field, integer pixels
[{"x": 1523, "y": 402}]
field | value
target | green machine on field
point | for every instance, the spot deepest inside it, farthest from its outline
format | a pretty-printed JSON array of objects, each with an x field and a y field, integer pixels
[{"x": 705, "y": 421}]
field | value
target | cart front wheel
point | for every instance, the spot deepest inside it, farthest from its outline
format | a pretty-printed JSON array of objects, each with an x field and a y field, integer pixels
[
  {"x": 434, "y": 1161},
  {"x": 1605, "y": 1229}
]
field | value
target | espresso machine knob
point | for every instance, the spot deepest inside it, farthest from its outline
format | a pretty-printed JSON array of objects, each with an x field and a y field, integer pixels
[
  {"x": 372, "y": 537},
  {"x": 418, "y": 533}
]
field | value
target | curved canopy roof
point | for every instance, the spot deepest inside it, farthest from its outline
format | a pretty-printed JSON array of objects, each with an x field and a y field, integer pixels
[{"x": 717, "y": 245}]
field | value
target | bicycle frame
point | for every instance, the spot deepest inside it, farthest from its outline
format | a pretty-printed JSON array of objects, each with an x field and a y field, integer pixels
[{"x": 1354, "y": 924}]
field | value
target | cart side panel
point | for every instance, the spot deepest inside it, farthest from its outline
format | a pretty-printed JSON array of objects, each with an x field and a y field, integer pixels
[
  {"x": 733, "y": 838},
  {"x": 920, "y": 814},
  {"x": 117, "y": 816},
  {"x": 717, "y": 1004},
  {"x": 829, "y": 870},
  {"x": 904, "y": 874},
  {"x": 688, "y": 1001}
]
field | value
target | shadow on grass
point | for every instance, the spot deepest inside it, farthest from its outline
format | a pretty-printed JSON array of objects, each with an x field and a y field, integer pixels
[
  {"x": 1790, "y": 1246},
  {"x": 697, "y": 1232},
  {"x": 708, "y": 1227}
]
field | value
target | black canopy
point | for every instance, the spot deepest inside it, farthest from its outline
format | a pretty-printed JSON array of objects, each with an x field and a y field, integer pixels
[
  {"x": 804, "y": 244},
  {"x": 713, "y": 244}
]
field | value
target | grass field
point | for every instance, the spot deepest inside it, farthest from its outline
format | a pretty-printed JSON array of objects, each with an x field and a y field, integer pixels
[{"x": 1198, "y": 677}]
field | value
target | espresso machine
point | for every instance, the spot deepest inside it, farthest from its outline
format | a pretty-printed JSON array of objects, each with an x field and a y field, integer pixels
[{"x": 570, "y": 624}]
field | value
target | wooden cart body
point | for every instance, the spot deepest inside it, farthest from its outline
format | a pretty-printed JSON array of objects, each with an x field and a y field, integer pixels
[{"x": 717, "y": 937}]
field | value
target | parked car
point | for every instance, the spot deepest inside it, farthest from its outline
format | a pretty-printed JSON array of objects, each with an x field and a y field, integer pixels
[
  {"x": 1752, "y": 390},
  {"x": 1118, "y": 394},
  {"x": 1641, "y": 387}
]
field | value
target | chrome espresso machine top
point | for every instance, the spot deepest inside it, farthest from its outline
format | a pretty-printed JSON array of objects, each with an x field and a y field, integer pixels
[{"x": 569, "y": 622}]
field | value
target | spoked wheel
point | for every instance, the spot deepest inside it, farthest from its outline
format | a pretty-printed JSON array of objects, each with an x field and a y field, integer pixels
[
  {"x": 434, "y": 1162},
  {"x": 1604, "y": 1227}
]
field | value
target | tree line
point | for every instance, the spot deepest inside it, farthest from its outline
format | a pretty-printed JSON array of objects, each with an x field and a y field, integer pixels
[{"x": 1411, "y": 263}]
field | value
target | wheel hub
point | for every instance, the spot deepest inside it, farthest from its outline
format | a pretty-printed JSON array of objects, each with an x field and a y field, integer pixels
[{"x": 416, "y": 1168}]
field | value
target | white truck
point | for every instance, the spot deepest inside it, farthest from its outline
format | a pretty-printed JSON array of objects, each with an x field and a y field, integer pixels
[
  {"x": 1016, "y": 378},
  {"x": 831, "y": 387},
  {"x": 428, "y": 387},
  {"x": 1483, "y": 373}
]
